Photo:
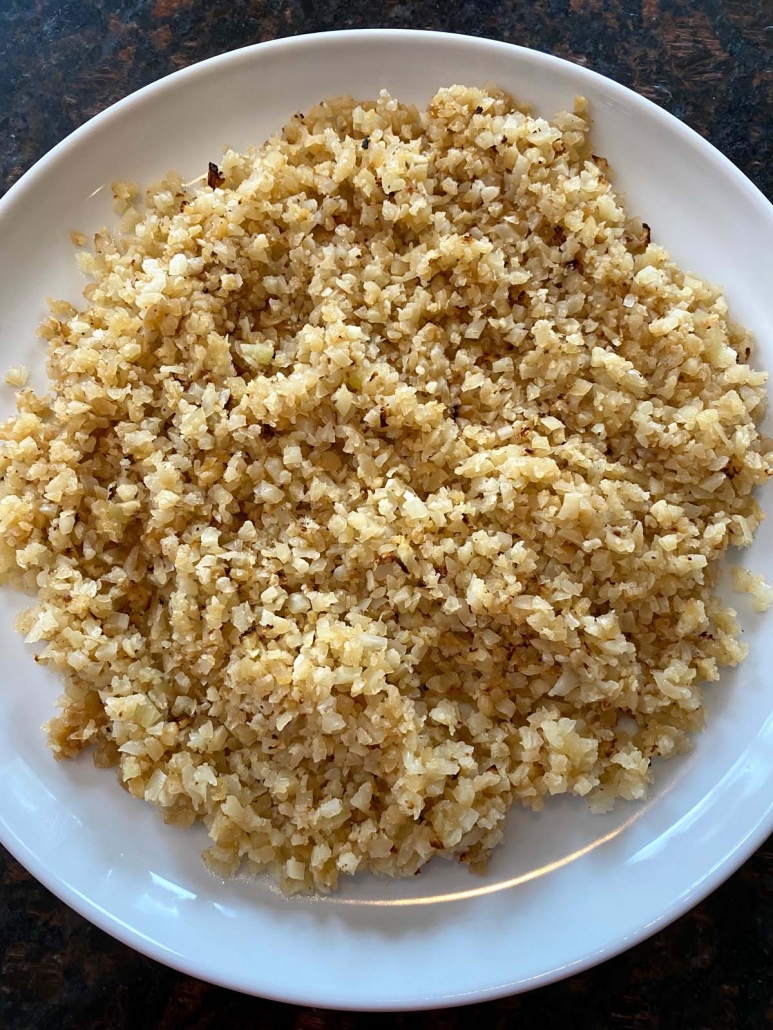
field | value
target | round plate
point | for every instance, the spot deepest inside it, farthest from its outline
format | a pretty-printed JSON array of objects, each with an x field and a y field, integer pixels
[{"x": 567, "y": 889}]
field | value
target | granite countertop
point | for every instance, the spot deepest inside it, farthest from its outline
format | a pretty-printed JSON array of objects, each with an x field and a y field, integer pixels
[{"x": 710, "y": 62}]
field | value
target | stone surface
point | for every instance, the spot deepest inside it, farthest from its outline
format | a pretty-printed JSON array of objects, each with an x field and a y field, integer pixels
[{"x": 710, "y": 62}]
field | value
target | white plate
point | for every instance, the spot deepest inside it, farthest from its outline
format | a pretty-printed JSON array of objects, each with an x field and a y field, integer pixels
[{"x": 567, "y": 889}]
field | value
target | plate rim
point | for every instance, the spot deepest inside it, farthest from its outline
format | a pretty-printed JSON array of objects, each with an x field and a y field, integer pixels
[{"x": 134, "y": 938}]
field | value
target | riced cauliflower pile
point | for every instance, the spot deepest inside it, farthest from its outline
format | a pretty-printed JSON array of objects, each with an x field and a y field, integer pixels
[{"x": 381, "y": 485}]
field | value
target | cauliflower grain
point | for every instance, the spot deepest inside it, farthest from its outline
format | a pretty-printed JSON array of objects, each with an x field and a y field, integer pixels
[{"x": 381, "y": 485}]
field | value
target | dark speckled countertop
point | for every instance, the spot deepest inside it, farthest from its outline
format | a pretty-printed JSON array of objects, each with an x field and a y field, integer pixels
[{"x": 710, "y": 62}]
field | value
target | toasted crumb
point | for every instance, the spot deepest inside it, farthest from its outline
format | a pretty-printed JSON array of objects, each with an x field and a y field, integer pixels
[
  {"x": 78, "y": 239},
  {"x": 382, "y": 486}
]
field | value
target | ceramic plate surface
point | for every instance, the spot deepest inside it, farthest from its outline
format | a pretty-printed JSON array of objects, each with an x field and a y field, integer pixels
[{"x": 567, "y": 889}]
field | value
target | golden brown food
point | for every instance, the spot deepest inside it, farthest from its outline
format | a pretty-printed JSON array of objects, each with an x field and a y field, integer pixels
[{"x": 381, "y": 484}]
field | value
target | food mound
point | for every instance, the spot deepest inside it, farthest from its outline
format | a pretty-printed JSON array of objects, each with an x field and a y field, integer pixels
[{"x": 381, "y": 484}]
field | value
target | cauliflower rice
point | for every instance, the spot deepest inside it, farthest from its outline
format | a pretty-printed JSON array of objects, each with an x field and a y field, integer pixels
[{"x": 381, "y": 484}]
